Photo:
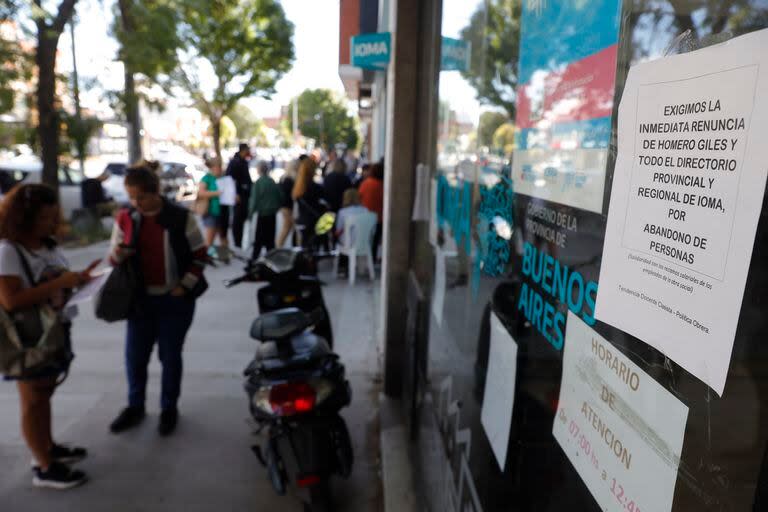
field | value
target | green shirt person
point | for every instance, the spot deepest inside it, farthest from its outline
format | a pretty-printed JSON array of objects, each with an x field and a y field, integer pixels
[
  {"x": 214, "y": 207},
  {"x": 265, "y": 200},
  {"x": 266, "y": 196}
]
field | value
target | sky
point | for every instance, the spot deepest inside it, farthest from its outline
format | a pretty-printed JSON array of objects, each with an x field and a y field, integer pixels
[
  {"x": 453, "y": 88},
  {"x": 316, "y": 42}
]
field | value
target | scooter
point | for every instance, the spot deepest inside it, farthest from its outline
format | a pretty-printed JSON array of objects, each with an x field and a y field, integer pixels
[
  {"x": 293, "y": 282},
  {"x": 296, "y": 384}
]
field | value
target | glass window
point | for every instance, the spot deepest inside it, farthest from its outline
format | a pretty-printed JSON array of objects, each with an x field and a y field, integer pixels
[{"x": 526, "y": 147}]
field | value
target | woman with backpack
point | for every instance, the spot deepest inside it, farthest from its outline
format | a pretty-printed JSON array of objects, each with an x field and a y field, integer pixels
[{"x": 34, "y": 273}]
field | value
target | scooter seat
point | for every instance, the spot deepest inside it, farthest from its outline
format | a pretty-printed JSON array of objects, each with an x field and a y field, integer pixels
[
  {"x": 301, "y": 349},
  {"x": 280, "y": 325}
]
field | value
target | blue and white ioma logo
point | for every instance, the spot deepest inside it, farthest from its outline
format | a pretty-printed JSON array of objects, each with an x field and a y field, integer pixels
[{"x": 373, "y": 48}]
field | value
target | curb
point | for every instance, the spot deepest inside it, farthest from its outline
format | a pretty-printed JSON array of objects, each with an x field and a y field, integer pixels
[{"x": 396, "y": 470}]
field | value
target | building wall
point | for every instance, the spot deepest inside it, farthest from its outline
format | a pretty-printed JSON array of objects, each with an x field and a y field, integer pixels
[{"x": 349, "y": 25}]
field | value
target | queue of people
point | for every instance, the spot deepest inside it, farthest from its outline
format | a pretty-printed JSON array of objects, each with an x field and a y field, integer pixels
[{"x": 305, "y": 193}]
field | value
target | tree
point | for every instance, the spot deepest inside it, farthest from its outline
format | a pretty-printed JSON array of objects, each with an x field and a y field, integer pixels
[
  {"x": 80, "y": 130},
  {"x": 246, "y": 45},
  {"x": 247, "y": 124},
  {"x": 15, "y": 64},
  {"x": 504, "y": 138},
  {"x": 323, "y": 116},
  {"x": 494, "y": 35},
  {"x": 489, "y": 122},
  {"x": 49, "y": 29},
  {"x": 146, "y": 31},
  {"x": 229, "y": 132}
]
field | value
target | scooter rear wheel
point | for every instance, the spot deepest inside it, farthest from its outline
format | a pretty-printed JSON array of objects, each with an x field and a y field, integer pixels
[
  {"x": 320, "y": 498},
  {"x": 275, "y": 470},
  {"x": 343, "y": 448}
]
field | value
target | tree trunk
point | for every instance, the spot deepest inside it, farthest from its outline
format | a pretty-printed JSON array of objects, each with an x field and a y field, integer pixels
[
  {"x": 48, "y": 129},
  {"x": 133, "y": 118},
  {"x": 131, "y": 100},
  {"x": 216, "y": 127}
]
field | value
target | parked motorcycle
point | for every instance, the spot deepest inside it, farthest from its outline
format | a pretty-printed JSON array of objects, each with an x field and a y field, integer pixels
[{"x": 296, "y": 384}]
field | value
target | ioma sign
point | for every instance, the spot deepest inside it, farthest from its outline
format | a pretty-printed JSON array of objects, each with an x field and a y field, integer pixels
[{"x": 371, "y": 51}]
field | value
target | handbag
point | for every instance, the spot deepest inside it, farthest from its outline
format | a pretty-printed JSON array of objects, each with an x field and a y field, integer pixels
[
  {"x": 33, "y": 341},
  {"x": 118, "y": 298}
]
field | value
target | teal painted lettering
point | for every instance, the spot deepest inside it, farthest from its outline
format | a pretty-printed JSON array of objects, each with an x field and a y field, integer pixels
[
  {"x": 590, "y": 295},
  {"x": 575, "y": 281},
  {"x": 522, "y": 302},
  {"x": 545, "y": 278},
  {"x": 560, "y": 281},
  {"x": 559, "y": 326},
  {"x": 527, "y": 258}
]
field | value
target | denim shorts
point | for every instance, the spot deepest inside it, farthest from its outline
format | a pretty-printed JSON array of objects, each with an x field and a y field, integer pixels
[{"x": 210, "y": 221}]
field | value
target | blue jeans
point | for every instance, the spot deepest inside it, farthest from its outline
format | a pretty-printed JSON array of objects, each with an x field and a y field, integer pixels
[{"x": 165, "y": 319}]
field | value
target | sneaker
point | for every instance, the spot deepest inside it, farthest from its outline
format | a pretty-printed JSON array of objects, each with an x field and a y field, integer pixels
[
  {"x": 168, "y": 420},
  {"x": 128, "y": 418},
  {"x": 65, "y": 454},
  {"x": 59, "y": 476},
  {"x": 68, "y": 454}
]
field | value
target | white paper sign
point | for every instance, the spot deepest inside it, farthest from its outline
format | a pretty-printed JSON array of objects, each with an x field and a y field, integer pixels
[
  {"x": 686, "y": 199},
  {"x": 499, "y": 396},
  {"x": 228, "y": 191},
  {"x": 621, "y": 430},
  {"x": 438, "y": 292},
  {"x": 93, "y": 287}
]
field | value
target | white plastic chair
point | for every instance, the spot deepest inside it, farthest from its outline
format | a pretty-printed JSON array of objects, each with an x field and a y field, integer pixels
[{"x": 355, "y": 242}]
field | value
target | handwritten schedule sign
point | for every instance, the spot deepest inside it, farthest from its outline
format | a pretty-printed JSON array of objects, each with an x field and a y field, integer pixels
[
  {"x": 687, "y": 194},
  {"x": 621, "y": 430}
]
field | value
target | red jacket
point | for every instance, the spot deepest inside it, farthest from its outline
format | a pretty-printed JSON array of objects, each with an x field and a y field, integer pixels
[
  {"x": 372, "y": 195},
  {"x": 171, "y": 249}
]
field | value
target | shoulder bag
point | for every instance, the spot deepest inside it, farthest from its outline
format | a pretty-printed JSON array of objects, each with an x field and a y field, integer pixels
[
  {"x": 33, "y": 341},
  {"x": 119, "y": 297}
]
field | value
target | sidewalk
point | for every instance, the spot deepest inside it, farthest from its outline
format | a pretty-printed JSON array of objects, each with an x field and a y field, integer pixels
[{"x": 207, "y": 464}]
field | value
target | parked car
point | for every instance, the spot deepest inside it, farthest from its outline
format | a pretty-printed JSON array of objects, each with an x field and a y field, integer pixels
[
  {"x": 29, "y": 169},
  {"x": 177, "y": 181},
  {"x": 114, "y": 183}
]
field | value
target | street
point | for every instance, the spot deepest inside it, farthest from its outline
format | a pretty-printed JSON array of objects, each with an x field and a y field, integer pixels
[{"x": 207, "y": 464}]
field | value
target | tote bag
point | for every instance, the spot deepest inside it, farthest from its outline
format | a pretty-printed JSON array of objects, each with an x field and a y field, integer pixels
[{"x": 33, "y": 340}]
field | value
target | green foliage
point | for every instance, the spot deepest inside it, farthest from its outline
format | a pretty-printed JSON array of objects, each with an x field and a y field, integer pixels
[
  {"x": 494, "y": 35},
  {"x": 504, "y": 138},
  {"x": 246, "y": 44},
  {"x": 79, "y": 130},
  {"x": 146, "y": 31},
  {"x": 247, "y": 124},
  {"x": 323, "y": 116},
  {"x": 15, "y": 64},
  {"x": 489, "y": 122},
  {"x": 229, "y": 133}
]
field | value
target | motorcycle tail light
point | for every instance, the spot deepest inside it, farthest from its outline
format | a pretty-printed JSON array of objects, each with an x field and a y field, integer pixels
[
  {"x": 307, "y": 481},
  {"x": 292, "y": 398}
]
